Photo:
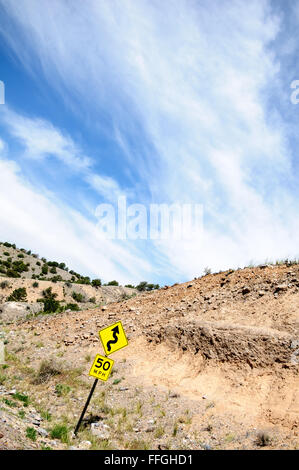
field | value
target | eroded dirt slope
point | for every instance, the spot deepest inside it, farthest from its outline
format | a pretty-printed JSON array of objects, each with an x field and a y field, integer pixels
[{"x": 210, "y": 363}]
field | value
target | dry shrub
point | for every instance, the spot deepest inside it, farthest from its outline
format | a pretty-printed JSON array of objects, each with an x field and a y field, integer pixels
[
  {"x": 48, "y": 369},
  {"x": 263, "y": 439}
]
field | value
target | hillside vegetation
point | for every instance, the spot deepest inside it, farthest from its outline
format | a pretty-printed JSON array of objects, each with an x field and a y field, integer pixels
[{"x": 50, "y": 286}]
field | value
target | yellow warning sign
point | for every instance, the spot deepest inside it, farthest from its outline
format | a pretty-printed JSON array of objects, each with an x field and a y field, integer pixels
[
  {"x": 113, "y": 338},
  {"x": 101, "y": 367}
]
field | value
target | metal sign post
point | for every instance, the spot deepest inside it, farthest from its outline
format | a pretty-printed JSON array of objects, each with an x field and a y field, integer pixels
[{"x": 86, "y": 405}]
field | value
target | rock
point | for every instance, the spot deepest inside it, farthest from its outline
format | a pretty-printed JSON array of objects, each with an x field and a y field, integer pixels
[
  {"x": 84, "y": 445},
  {"x": 281, "y": 288},
  {"x": 100, "y": 430},
  {"x": 136, "y": 429},
  {"x": 162, "y": 447},
  {"x": 11, "y": 311},
  {"x": 207, "y": 447},
  {"x": 173, "y": 395},
  {"x": 1, "y": 435},
  {"x": 42, "y": 432},
  {"x": 150, "y": 429},
  {"x": 123, "y": 389},
  {"x": 245, "y": 290}
]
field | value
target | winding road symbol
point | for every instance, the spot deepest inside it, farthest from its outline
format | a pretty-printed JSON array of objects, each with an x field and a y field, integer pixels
[{"x": 115, "y": 336}]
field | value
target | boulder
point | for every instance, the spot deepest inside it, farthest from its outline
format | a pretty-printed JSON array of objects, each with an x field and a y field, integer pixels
[{"x": 12, "y": 311}]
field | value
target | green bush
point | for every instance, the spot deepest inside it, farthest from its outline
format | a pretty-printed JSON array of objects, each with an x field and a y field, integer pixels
[
  {"x": 78, "y": 297},
  {"x": 62, "y": 390},
  {"x": 12, "y": 273},
  {"x": 144, "y": 286},
  {"x": 45, "y": 269},
  {"x": 9, "y": 245},
  {"x": 73, "y": 307},
  {"x": 35, "y": 284},
  {"x": 31, "y": 433},
  {"x": 113, "y": 283},
  {"x": 18, "y": 295},
  {"x": 19, "y": 266},
  {"x": 96, "y": 282},
  {"x": 51, "y": 305},
  {"x": 22, "y": 397},
  {"x": 60, "y": 431},
  {"x": 84, "y": 280},
  {"x": 56, "y": 278}
]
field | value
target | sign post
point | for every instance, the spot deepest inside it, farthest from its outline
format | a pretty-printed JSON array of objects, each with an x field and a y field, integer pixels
[
  {"x": 113, "y": 338},
  {"x": 86, "y": 405}
]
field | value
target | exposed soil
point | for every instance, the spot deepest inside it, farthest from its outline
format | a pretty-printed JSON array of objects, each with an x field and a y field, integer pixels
[{"x": 210, "y": 364}]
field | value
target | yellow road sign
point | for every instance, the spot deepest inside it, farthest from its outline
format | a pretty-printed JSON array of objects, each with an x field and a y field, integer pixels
[
  {"x": 113, "y": 338},
  {"x": 101, "y": 367}
]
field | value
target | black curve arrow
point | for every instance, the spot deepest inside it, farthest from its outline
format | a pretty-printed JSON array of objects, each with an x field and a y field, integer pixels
[{"x": 113, "y": 341}]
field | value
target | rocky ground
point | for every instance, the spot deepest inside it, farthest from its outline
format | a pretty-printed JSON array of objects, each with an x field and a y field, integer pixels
[{"x": 211, "y": 364}]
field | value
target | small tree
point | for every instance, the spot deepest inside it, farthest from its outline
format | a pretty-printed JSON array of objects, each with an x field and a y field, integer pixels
[
  {"x": 96, "y": 282},
  {"x": 45, "y": 269},
  {"x": 142, "y": 286},
  {"x": 51, "y": 305},
  {"x": 113, "y": 283}
]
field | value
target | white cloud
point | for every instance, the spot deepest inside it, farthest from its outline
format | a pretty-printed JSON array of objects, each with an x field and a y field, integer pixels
[
  {"x": 107, "y": 187},
  {"x": 195, "y": 76},
  {"x": 41, "y": 139},
  {"x": 56, "y": 231}
]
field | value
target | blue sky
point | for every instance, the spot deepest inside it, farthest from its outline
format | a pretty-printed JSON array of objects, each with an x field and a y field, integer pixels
[{"x": 182, "y": 101}]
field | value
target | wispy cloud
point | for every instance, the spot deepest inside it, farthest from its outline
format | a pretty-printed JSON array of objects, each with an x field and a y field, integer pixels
[
  {"x": 33, "y": 219},
  {"x": 41, "y": 139},
  {"x": 186, "y": 88}
]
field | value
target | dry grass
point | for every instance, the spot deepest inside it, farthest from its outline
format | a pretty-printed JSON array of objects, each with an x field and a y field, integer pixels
[{"x": 48, "y": 369}]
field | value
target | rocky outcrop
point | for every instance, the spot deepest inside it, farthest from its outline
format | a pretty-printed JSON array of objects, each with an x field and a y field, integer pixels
[
  {"x": 12, "y": 311},
  {"x": 256, "y": 346}
]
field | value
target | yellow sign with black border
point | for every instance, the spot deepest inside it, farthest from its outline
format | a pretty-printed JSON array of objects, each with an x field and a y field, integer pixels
[
  {"x": 113, "y": 338},
  {"x": 101, "y": 367}
]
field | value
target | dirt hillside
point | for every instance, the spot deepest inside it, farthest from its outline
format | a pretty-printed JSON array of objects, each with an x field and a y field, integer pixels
[{"x": 211, "y": 364}]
